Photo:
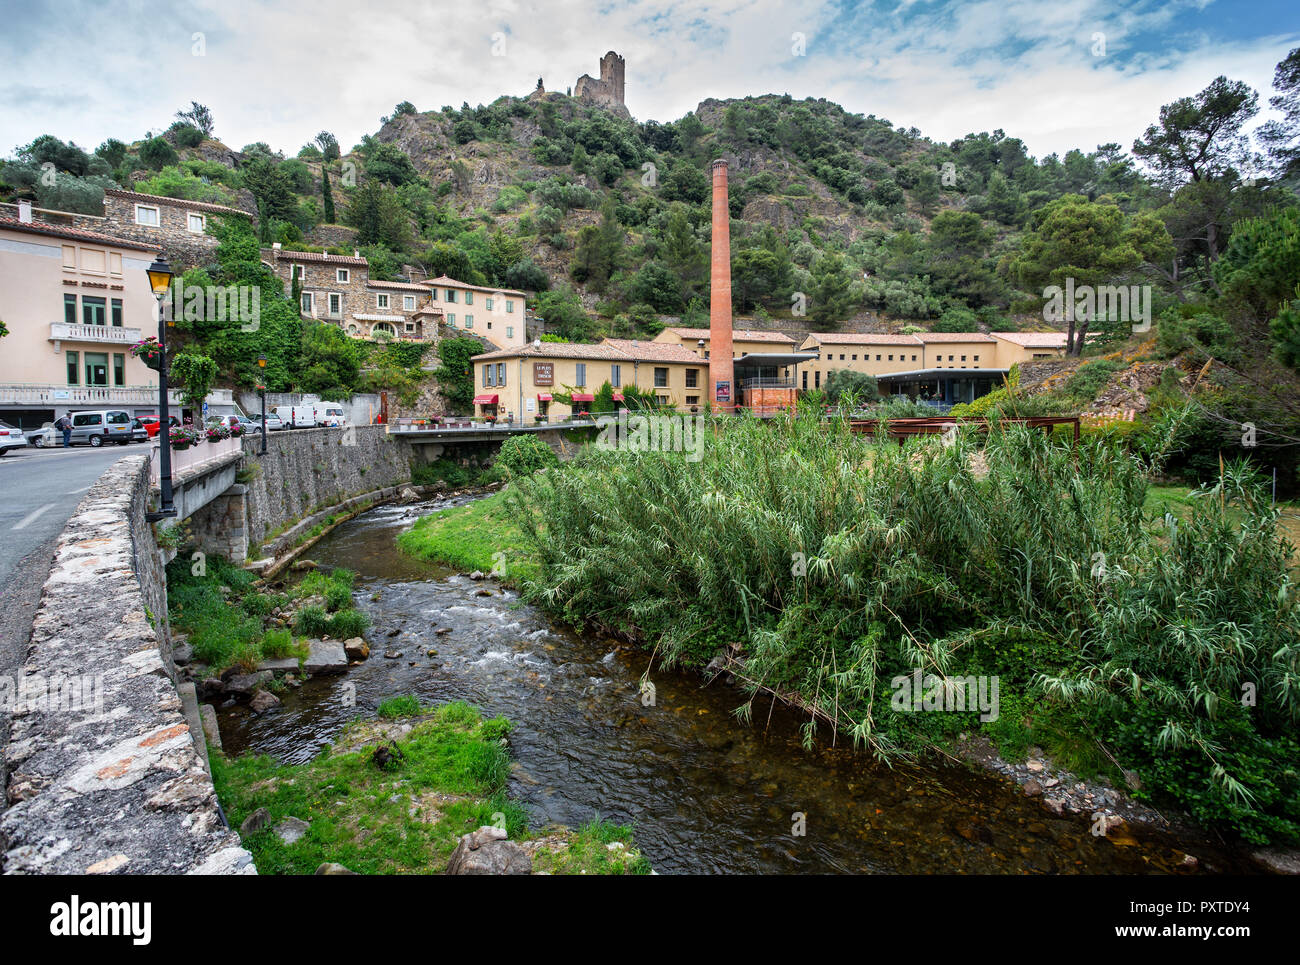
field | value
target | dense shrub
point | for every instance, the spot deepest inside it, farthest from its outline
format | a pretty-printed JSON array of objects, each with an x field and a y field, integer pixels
[{"x": 524, "y": 455}]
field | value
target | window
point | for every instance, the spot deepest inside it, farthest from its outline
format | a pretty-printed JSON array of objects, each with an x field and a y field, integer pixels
[
  {"x": 692, "y": 378},
  {"x": 336, "y": 304},
  {"x": 501, "y": 373},
  {"x": 307, "y": 302},
  {"x": 913, "y": 358},
  {"x": 841, "y": 356},
  {"x": 74, "y": 367},
  {"x": 147, "y": 215},
  {"x": 510, "y": 306},
  {"x": 510, "y": 331},
  {"x": 692, "y": 400},
  {"x": 489, "y": 304},
  {"x": 661, "y": 377},
  {"x": 891, "y": 358},
  {"x": 616, "y": 375},
  {"x": 343, "y": 275},
  {"x": 298, "y": 271},
  {"x": 489, "y": 374},
  {"x": 451, "y": 297},
  {"x": 451, "y": 319},
  {"x": 92, "y": 310},
  {"x": 410, "y": 326},
  {"x": 976, "y": 358},
  {"x": 117, "y": 312},
  {"x": 855, "y": 358},
  {"x": 817, "y": 380},
  {"x": 96, "y": 368},
  {"x": 408, "y": 303},
  {"x": 469, "y": 321},
  {"x": 805, "y": 380},
  {"x": 963, "y": 358},
  {"x": 949, "y": 358},
  {"x": 489, "y": 324},
  {"x": 195, "y": 223},
  {"x": 580, "y": 379},
  {"x": 119, "y": 369},
  {"x": 469, "y": 298},
  {"x": 706, "y": 353},
  {"x": 70, "y": 309},
  {"x": 69, "y": 257},
  {"x": 381, "y": 301},
  {"x": 87, "y": 419}
]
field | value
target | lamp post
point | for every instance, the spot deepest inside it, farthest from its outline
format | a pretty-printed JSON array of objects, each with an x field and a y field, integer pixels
[
  {"x": 160, "y": 278},
  {"x": 261, "y": 364}
]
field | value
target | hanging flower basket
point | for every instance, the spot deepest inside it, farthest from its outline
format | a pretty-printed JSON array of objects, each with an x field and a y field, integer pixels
[
  {"x": 216, "y": 433},
  {"x": 182, "y": 437},
  {"x": 149, "y": 352}
]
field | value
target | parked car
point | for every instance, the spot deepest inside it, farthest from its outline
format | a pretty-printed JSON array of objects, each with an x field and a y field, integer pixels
[
  {"x": 151, "y": 424},
  {"x": 11, "y": 438},
  {"x": 105, "y": 425},
  {"x": 45, "y": 436},
  {"x": 302, "y": 416},
  {"x": 273, "y": 422},
  {"x": 330, "y": 414},
  {"x": 138, "y": 431},
  {"x": 230, "y": 421}
]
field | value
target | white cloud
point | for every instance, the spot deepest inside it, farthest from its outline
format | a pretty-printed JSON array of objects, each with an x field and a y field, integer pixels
[{"x": 279, "y": 72}]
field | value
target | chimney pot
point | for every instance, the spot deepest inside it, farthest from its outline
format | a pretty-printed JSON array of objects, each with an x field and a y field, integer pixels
[
  {"x": 25, "y": 212},
  {"x": 275, "y": 246}
]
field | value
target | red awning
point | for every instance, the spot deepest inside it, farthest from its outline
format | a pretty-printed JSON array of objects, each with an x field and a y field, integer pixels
[
  {"x": 583, "y": 397},
  {"x": 618, "y": 396},
  {"x": 543, "y": 397},
  {"x": 485, "y": 399}
]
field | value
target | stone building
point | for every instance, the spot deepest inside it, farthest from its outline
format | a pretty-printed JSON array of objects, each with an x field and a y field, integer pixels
[
  {"x": 608, "y": 90},
  {"x": 177, "y": 226}
]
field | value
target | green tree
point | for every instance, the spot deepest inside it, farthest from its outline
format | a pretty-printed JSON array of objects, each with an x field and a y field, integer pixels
[
  {"x": 194, "y": 373},
  {"x": 1281, "y": 137},
  {"x": 455, "y": 374},
  {"x": 378, "y": 216},
  {"x": 329, "y": 360},
  {"x": 198, "y": 116},
  {"x": 599, "y": 250},
  {"x": 831, "y": 298},
  {"x": 1200, "y": 137}
]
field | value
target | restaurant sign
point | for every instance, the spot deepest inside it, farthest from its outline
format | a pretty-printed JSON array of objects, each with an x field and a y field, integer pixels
[{"x": 543, "y": 373}]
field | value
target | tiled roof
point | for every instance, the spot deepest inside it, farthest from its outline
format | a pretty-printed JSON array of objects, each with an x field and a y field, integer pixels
[
  {"x": 862, "y": 338},
  {"x": 284, "y": 254},
  {"x": 1033, "y": 339},
  {"x": 73, "y": 234},
  {"x": 561, "y": 350},
  {"x": 953, "y": 337},
  {"x": 737, "y": 335},
  {"x": 403, "y": 285},
  {"x": 173, "y": 202},
  {"x": 444, "y": 280},
  {"x": 654, "y": 351}
]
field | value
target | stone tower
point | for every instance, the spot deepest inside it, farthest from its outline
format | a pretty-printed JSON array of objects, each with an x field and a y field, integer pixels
[
  {"x": 721, "y": 371},
  {"x": 608, "y": 90}
]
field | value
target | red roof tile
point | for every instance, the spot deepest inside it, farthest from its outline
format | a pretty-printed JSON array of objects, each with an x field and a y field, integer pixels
[
  {"x": 73, "y": 234},
  {"x": 174, "y": 202}
]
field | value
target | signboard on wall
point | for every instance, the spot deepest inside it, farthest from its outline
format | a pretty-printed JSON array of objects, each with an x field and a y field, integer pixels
[
  {"x": 530, "y": 404},
  {"x": 722, "y": 390},
  {"x": 543, "y": 373}
]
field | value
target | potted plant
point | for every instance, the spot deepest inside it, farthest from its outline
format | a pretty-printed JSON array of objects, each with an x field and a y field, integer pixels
[
  {"x": 215, "y": 434},
  {"x": 148, "y": 351},
  {"x": 182, "y": 437},
  {"x": 236, "y": 430}
]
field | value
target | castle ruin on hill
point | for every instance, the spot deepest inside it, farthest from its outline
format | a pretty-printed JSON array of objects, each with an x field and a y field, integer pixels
[{"x": 608, "y": 90}]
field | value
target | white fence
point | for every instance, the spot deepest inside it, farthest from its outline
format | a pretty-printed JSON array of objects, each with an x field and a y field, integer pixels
[{"x": 197, "y": 455}]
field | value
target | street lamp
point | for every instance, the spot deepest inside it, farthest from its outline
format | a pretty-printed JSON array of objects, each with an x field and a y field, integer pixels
[
  {"x": 160, "y": 279},
  {"x": 261, "y": 364}
]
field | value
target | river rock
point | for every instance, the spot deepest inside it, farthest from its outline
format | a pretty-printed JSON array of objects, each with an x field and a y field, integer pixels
[
  {"x": 477, "y": 575},
  {"x": 257, "y": 821},
  {"x": 291, "y": 829},
  {"x": 280, "y": 665},
  {"x": 392, "y": 655},
  {"x": 211, "y": 687},
  {"x": 1035, "y": 766},
  {"x": 487, "y": 851},
  {"x": 243, "y": 685},
  {"x": 333, "y": 868},
  {"x": 325, "y": 657},
  {"x": 442, "y": 631},
  {"x": 356, "y": 648},
  {"x": 182, "y": 653},
  {"x": 263, "y": 701},
  {"x": 1033, "y": 788},
  {"x": 1055, "y": 805},
  {"x": 1279, "y": 861},
  {"x": 482, "y": 592}
]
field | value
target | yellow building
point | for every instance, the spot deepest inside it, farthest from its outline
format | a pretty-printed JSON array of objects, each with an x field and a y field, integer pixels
[
  {"x": 744, "y": 341},
  {"x": 873, "y": 354},
  {"x": 495, "y": 313},
  {"x": 520, "y": 384},
  {"x": 1016, "y": 347}
]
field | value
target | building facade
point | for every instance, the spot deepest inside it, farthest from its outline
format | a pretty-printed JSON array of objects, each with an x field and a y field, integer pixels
[
  {"x": 744, "y": 341},
  {"x": 177, "y": 226},
  {"x": 493, "y": 313},
  {"x": 75, "y": 302}
]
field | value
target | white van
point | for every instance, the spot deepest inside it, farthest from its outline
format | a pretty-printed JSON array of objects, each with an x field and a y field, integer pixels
[
  {"x": 301, "y": 416},
  {"x": 330, "y": 414}
]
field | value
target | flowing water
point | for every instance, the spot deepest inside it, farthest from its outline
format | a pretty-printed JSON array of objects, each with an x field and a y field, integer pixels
[{"x": 704, "y": 791}]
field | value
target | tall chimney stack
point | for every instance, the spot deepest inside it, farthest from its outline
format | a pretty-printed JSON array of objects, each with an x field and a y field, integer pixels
[{"x": 723, "y": 391}]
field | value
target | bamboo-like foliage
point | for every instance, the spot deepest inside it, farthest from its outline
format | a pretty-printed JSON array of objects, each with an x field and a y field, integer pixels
[{"x": 838, "y": 561}]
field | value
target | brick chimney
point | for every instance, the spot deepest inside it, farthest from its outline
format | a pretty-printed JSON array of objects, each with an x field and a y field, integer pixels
[{"x": 720, "y": 351}]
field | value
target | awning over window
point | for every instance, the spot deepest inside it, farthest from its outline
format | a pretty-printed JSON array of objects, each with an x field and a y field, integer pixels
[
  {"x": 583, "y": 397},
  {"x": 485, "y": 399},
  {"x": 543, "y": 397}
]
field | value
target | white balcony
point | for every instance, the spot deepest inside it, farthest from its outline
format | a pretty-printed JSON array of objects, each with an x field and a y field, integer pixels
[
  {"x": 35, "y": 394},
  {"x": 104, "y": 334}
]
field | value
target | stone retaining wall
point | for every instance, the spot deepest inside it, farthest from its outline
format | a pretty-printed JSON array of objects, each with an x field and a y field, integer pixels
[
  {"x": 113, "y": 784},
  {"x": 307, "y": 470}
]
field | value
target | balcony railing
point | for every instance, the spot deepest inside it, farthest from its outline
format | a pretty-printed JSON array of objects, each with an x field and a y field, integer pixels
[
  {"x": 57, "y": 395},
  {"x": 760, "y": 383},
  {"x": 117, "y": 335}
]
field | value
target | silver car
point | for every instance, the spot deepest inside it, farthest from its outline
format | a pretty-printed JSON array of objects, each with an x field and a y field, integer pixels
[
  {"x": 45, "y": 436},
  {"x": 11, "y": 438},
  {"x": 273, "y": 422}
]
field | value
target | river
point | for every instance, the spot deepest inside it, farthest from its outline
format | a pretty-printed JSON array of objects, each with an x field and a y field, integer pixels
[{"x": 704, "y": 792}]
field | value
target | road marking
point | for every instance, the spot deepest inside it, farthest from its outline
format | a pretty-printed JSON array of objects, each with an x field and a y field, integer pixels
[
  {"x": 73, "y": 492},
  {"x": 31, "y": 518}
]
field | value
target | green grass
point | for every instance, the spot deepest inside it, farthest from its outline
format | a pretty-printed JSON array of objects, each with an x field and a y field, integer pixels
[
  {"x": 403, "y": 819},
  {"x": 589, "y": 853},
  {"x": 470, "y": 536}
]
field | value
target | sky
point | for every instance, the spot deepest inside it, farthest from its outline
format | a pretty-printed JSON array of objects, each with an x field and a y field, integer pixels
[{"x": 1058, "y": 74}]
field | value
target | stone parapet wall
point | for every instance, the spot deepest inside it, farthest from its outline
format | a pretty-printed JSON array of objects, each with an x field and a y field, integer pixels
[
  {"x": 111, "y": 780},
  {"x": 306, "y": 470}
]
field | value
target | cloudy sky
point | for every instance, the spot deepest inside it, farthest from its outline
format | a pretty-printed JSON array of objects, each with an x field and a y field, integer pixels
[{"x": 1056, "y": 73}]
